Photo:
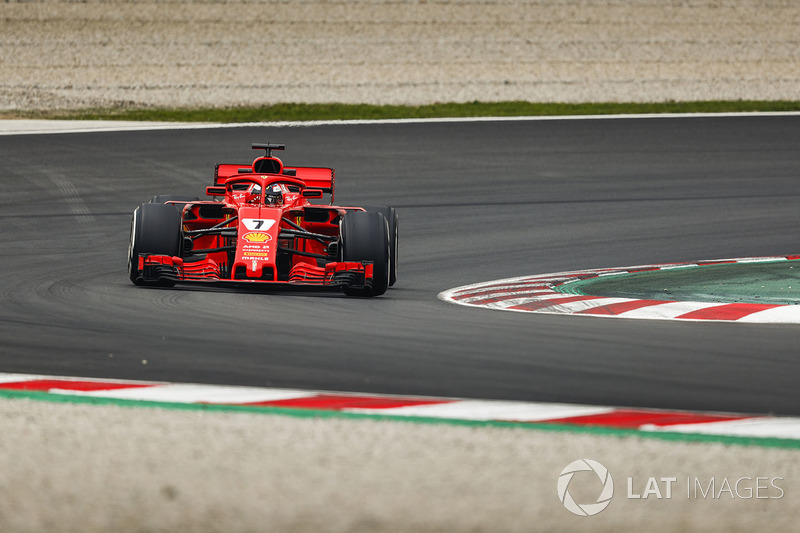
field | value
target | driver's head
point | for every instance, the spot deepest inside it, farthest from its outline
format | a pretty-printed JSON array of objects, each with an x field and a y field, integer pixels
[{"x": 273, "y": 196}]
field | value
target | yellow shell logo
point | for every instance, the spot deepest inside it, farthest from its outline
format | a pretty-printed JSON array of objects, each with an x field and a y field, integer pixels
[{"x": 256, "y": 236}]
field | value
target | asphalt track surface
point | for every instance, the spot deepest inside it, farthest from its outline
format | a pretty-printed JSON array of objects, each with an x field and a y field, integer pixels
[{"x": 477, "y": 201}]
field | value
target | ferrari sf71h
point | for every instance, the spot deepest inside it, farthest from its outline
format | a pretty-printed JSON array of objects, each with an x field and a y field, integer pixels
[{"x": 260, "y": 226}]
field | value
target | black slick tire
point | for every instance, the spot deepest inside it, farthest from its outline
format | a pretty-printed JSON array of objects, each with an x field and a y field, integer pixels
[
  {"x": 391, "y": 217},
  {"x": 155, "y": 229},
  {"x": 365, "y": 237}
]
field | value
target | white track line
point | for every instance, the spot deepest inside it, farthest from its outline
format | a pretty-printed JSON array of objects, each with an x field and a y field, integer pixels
[
  {"x": 194, "y": 393},
  {"x": 44, "y": 127}
]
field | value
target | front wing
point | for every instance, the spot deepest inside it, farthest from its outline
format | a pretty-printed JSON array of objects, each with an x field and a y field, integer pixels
[{"x": 168, "y": 269}]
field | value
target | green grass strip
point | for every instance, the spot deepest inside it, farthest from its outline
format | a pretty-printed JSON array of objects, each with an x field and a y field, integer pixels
[
  {"x": 306, "y": 112},
  {"x": 767, "y": 442}
]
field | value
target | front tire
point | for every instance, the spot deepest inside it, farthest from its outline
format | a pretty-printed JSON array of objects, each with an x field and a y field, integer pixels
[
  {"x": 155, "y": 229},
  {"x": 391, "y": 217},
  {"x": 365, "y": 237}
]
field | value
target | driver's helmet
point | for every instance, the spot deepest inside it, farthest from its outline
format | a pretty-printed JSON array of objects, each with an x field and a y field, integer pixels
[{"x": 273, "y": 195}]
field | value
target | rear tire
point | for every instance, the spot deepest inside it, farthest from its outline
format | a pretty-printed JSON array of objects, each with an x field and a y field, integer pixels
[
  {"x": 391, "y": 217},
  {"x": 365, "y": 237},
  {"x": 155, "y": 229}
]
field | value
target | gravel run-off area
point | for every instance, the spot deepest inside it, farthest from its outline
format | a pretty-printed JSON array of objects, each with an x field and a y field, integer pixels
[
  {"x": 192, "y": 53},
  {"x": 87, "y": 468}
]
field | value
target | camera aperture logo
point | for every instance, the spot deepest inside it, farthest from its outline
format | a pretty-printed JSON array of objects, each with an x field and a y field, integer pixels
[{"x": 585, "y": 509}]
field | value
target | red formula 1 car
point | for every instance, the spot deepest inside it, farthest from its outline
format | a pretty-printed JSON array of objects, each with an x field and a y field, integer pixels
[{"x": 265, "y": 229}]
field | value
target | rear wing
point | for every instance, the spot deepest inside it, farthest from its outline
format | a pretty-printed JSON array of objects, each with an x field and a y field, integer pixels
[
  {"x": 313, "y": 177},
  {"x": 223, "y": 172}
]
